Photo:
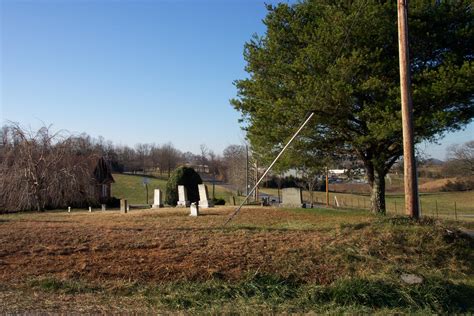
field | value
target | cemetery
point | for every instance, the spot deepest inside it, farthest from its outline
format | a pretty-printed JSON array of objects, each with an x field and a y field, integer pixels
[
  {"x": 317, "y": 198},
  {"x": 198, "y": 257}
]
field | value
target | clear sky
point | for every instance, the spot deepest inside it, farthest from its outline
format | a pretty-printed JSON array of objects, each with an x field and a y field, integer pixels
[{"x": 133, "y": 71}]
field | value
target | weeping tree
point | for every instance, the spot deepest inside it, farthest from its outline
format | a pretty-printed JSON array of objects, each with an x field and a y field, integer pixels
[
  {"x": 340, "y": 60},
  {"x": 43, "y": 169}
]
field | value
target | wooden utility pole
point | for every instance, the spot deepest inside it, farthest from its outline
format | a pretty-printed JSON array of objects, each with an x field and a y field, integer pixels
[
  {"x": 327, "y": 186},
  {"x": 409, "y": 163}
]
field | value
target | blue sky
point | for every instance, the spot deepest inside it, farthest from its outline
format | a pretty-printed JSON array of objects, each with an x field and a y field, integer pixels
[{"x": 133, "y": 71}]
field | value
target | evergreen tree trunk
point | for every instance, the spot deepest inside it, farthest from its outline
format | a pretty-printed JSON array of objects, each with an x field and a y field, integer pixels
[{"x": 376, "y": 180}]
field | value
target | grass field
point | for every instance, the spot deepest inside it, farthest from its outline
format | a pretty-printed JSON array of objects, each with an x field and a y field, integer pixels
[
  {"x": 453, "y": 205},
  {"x": 131, "y": 187},
  {"x": 445, "y": 202},
  {"x": 267, "y": 260}
]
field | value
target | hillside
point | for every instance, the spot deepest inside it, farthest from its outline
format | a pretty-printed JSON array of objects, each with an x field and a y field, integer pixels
[{"x": 131, "y": 187}]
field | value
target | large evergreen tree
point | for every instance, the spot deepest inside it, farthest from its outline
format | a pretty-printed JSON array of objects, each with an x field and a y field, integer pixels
[{"x": 340, "y": 59}]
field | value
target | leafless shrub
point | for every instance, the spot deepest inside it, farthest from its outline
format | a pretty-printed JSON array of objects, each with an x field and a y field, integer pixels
[
  {"x": 41, "y": 169},
  {"x": 462, "y": 156}
]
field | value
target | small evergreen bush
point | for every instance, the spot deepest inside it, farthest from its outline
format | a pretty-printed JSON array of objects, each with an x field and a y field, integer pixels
[
  {"x": 183, "y": 176},
  {"x": 218, "y": 201}
]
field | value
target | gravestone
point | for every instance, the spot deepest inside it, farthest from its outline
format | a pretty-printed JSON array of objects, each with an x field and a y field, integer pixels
[
  {"x": 158, "y": 199},
  {"x": 204, "y": 201},
  {"x": 103, "y": 207},
  {"x": 69, "y": 209},
  {"x": 292, "y": 197},
  {"x": 182, "y": 196},
  {"x": 194, "y": 210},
  {"x": 90, "y": 209},
  {"x": 123, "y": 206}
]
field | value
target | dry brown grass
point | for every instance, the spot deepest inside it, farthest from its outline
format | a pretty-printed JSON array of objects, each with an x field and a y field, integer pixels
[
  {"x": 91, "y": 260},
  {"x": 163, "y": 245},
  {"x": 434, "y": 185}
]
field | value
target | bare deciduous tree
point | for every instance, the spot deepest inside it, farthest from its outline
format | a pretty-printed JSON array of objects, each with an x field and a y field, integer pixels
[
  {"x": 463, "y": 156},
  {"x": 236, "y": 166}
]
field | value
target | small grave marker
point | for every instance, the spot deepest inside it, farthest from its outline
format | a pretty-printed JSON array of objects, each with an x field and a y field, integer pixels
[
  {"x": 158, "y": 200},
  {"x": 194, "y": 209},
  {"x": 123, "y": 206}
]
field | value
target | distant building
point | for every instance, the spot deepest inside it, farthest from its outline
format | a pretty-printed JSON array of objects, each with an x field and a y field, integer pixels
[
  {"x": 102, "y": 179},
  {"x": 337, "y": 172}
]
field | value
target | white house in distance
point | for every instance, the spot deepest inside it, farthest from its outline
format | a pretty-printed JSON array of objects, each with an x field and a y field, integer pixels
[{"x": 337, "y": 172}]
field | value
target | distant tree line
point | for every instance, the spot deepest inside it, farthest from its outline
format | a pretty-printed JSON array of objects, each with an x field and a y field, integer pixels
[{"x": 44, "y": 169}]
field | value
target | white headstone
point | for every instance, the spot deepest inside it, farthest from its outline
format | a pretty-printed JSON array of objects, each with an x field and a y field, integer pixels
[
  {"x": 182, "y": 196},
  {"x": 90, "y": 209},
  {"x": 204, "y": 201},
  {"x": 158, "y": 202},
  {"x": 69, "y": 209},
  {"x": 194, "y": 210},
  {"x": 103, "y": 207},
  {"x": 292, "y": 197},
  {"x": 123, "y": 206}
]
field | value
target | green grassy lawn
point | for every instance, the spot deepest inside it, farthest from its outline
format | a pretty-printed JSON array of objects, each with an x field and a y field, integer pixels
[
  {"x": 131, "y": 187},
  {"x": 224, "y": 193},
  {"x": 444, "y": 202},
  {"x": 441, "y": 204}
]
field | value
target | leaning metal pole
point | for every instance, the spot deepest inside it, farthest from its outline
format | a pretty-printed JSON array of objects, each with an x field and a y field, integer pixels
[{"x": 237, "y": 210}]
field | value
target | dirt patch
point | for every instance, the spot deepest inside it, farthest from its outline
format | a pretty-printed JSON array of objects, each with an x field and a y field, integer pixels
[{"x": 164, "y": 245}]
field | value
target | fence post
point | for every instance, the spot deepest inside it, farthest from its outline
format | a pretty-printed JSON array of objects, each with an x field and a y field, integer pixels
[{"x": 455, "y": 211}]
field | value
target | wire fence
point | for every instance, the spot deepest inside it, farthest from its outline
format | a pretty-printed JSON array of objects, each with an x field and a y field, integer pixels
[{"x": 395, "y": 205}]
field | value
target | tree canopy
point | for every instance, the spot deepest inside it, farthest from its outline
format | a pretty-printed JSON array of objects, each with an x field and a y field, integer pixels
[{"x": 340, "y": 59}]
